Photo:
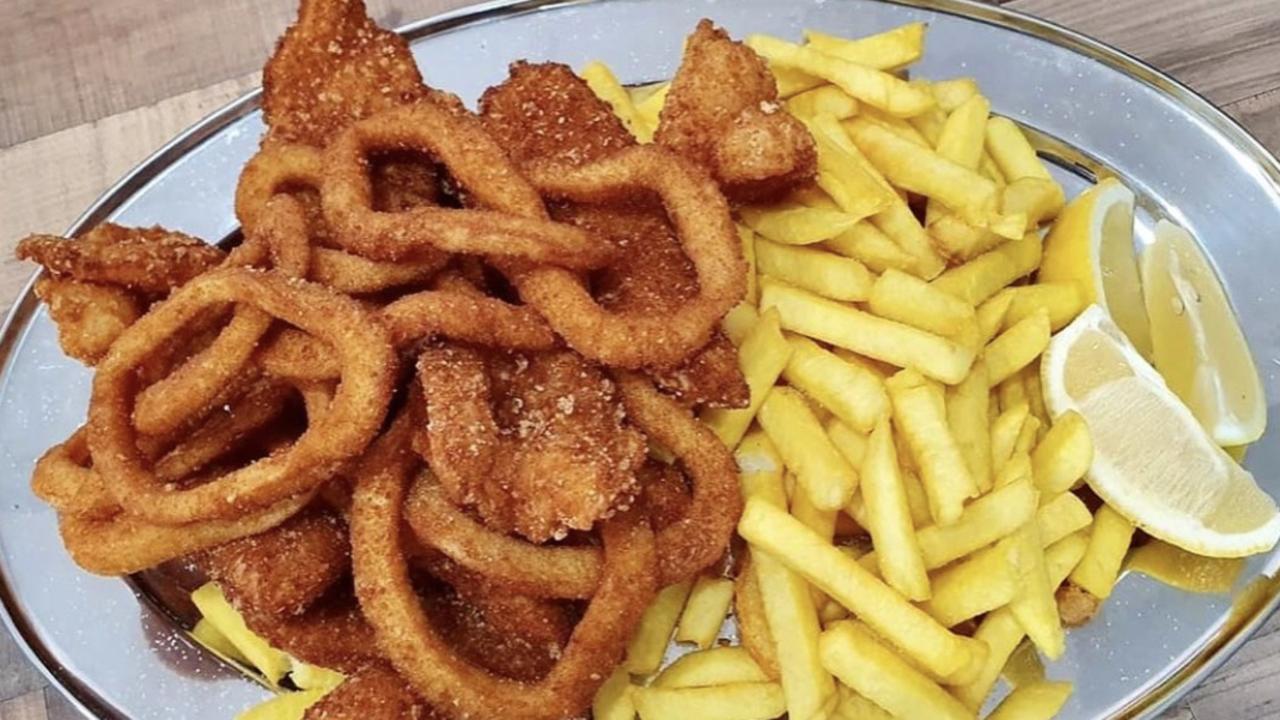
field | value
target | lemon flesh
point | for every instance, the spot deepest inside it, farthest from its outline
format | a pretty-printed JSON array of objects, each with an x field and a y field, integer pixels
[
  {"x": 1198, "y": 345},
  {"x": 1092, "y": 244},
  {"x": 1153, "y": 462}
]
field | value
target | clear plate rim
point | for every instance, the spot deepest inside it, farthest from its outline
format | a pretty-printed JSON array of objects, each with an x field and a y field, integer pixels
[{"x": 1196, "y": 669}]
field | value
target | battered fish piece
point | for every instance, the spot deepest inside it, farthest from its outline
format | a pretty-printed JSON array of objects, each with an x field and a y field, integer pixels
[
  {"x": 147, "y": 260},
  {"x": 282, "y": 571},
  {"x": 545, "y": 112},
  {"x": 723, "y": 112},
  {"x": 334, "y": 66},
  {"x": 536, "y": 442},
  {"x": 666, "y": 493},
  {"x": 89, "y": 316},
  {"x": 332, "y": 633},
  {"x": 374, "y": 692}
]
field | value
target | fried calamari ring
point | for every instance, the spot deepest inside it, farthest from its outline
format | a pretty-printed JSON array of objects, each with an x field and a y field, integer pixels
[
  {"x": 196, "y": 384},
  {"x": 354, "y": 417},
  {"x": 464, "y": 316},
  {"x": 692, "y": 543},
  {"x": 65, "y": 479},
  {"x": 514, "y": 224},
  {"x": 280, "y": 168},
  {"x": 150, "y": 260},
  {"x": 125, "y": 544},
  {"x": 701, "y": 219},
  {"x": 420, "y": 653}
]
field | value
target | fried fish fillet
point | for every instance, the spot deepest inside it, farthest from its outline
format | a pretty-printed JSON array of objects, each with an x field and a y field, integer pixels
[
  {"x": 147, "y": 260},
  {"x": 374, "y": 692},
  {"x": 545, "y": 112},
  {"x": 723, "y": 111},
  {"x": 282, "y": 571}
]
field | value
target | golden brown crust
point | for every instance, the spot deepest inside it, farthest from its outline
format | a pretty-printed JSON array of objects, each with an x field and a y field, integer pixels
[
  {"x": 1075, "y": 605},
  {"x": 374, "y": 692},
  {"x": 723, "y": 112},
  {"x": 89, "y": 316},
  {"x": 149, "y": 260}
]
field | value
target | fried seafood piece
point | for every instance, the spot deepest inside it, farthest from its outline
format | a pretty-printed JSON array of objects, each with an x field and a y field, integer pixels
[
  {"x": 543, "y": 112},
  {"x": 723, "y": 112},
  {"x": 1076, "y": 606},
  {"x": 282, "y": 571},
  {"x": 535, "y": 442},
  {"x": 332, "y": 632},
  {"x": 665, "y": 492},
  {"x": 89, "y": 316},
  {"x": 374, "y": 692},
  {"x": 334, "y": 66},
  {"x": 146, "y": 260}
]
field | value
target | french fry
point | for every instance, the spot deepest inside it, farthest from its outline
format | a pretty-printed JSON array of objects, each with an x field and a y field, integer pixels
[
  {"x": 705, "y": 611},
  {"x": 1063, "y": 455},
  {"x": 919, "y": 412},
  {"x": 770, "y": 529},
  {"x": 1108, "y": 544},
  {"x": 788, "y": 608},
  {"x": 851, "y": 443},
  {"x": 870, "y": 86},
  {"x": 866, "y": 334},
  {"x": 649, "y": 643},
  {"x": 212, "y": 638},
  {"x": 984, "y": 521},
  {"x": 1017, "y": 347},
  {"x": 791, "y": 223},
  {"x": 831, "y": 612},
  {"x": 762, "y": 355},
  {"x": 615, "y": 700},
  {"x": 1000, "y": 630},
  {"x": 820, "y": 469},
  {"x": 1027, "y": 440},
  {"x": 987, "y": 166},
  {"x": 843, "y": 173},
  {"x": 1039, "y": 199},
  {"x": 961, "y": 142},
  {"x": 741, "y": 701},
  {"x": 912, "y": 301},
  {"x": 284, "y": 705},
  {"x": 853, "y": 706},
  {"x": 722, "y": 665},
  {"x": 1061, "y": 516},
  {"x": 753, "y": 627},
  {"x": 896, "y": 125},
  {"x": 980, "y": 583},
  {"x": 852, "y": 393},
  {"x": 792, "y": 82},
  {"x": 214, "y": 607},
  {"x": 853, "y": 654},
  {"x": 888, "y": 50},
  {"x": 922, "y": 171},
  {"x": 823, "y": 99},
  {"x": 951, "y": 94},
  {"x": 990, "y": 272},
  {"x": 1017, "y": 467},
  {"x": 825, "y": 273},
  {"x": 1035, "y": 397},
  {"x": 958, "y": 239},
  {"x": 867, "y": 244},
  {"x": 1037, "y": 701},
  {"x": 889, "y": 517},
  {"x": 822, "y": 522},
  {"x": 739, "y": 321},
  {"x": 1012, "y": 393},
  {"x": 1004, "y": 434},
  {"x": 969, "y": 417},
  {"x": 1034, "y": 604},
  {"x": 605, "y": 85},
  {"x": 917, "y": 498},
  {"x": 1011, "y": 151},
  {"x": 991, "y": 316},
  {"x": 648, "y": 112},
  {"x": 748, "y": 240},
  {"x": 1062, "y": 300}
]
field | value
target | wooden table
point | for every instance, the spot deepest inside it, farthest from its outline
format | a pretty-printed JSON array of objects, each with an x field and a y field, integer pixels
[{"x": 88, "y": 89}]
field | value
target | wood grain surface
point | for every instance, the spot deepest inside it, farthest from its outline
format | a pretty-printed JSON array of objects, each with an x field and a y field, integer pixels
[{"x": 88, "y": 89}]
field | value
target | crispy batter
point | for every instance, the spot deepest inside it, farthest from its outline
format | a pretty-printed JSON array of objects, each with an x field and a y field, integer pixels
[
  {"x": 374, "y": 692},
  {"x": 89, "y": 316},
  {"x": 1075, "y": 605},
  {"x": 332, "y": 633},
  {"x": 723, "y": 112},
  {"x": 545, "y": 112},
  {"x": 473, "y": 635},
  {"x": 282, "y": 571},
  {"x": 334, "y": 66},
  {"x": 712, "y": 377},
  {"x": 666, "y": 493},
  {"x": 149, "y": 260},
  {"x": 535, "y": 442}
]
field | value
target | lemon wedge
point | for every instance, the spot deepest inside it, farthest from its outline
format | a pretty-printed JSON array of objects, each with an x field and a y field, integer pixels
[
  {"x": 1153, "y": 462},
  {"x": 1092, "y": 244},
  {"x": 1198, "y": 345}
]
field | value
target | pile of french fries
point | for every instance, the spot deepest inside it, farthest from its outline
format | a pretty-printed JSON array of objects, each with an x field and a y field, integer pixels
[{"x": 910, "y": 512}]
